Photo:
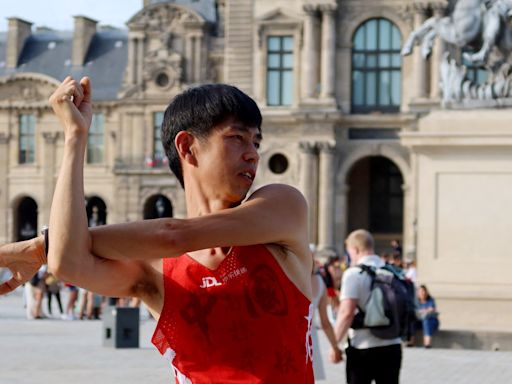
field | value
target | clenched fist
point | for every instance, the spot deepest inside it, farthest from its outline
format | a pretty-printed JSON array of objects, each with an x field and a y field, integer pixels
[
  {"x": 24, "y": 259},
  {"x": 71, "y": 102}
]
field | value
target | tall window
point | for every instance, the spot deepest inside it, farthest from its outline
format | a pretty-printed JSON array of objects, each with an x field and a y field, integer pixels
[
  {"x": 27, "y": 126},
  {"x": 158, "y": 149},
  {"x": 376, "y": 67},
  {"x": 280, "y": 70},
  {"x": 95, "y": 142}
]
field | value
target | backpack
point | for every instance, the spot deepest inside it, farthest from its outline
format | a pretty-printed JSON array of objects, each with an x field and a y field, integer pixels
[{"x": 387, "y": 313}]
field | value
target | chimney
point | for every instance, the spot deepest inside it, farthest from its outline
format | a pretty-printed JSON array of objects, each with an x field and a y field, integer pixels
[
  {"x": 85, "y": 29},
  {"x": 19, "y": 31},
  {"x": 146, "y": 3}
]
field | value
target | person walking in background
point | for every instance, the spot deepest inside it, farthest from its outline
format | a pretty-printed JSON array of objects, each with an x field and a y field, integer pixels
[
  {"x": 38, "y": 291},
  {"x": 72, "y": 299},
  {"x": 428, "y": 314},
  {"x": 53, "y": 286},
  {"x": 410, "y": 270},
  {"x": 368, "y": 357},
  {"x": 319, "y": 303},
  {"x": 396, "y": 246}
]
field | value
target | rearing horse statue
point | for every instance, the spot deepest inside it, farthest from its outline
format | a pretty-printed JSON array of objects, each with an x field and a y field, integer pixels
[{"x": 461, "y": 28}]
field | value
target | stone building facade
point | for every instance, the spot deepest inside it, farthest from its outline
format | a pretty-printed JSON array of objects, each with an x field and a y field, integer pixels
[{"x": 358, "y": 128}]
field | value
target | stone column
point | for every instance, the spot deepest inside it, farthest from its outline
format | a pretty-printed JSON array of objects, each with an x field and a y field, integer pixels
[
  {"x": 189, "y": 53},
  {"x": 4, "y": 197},
  {"x": 326, "y": 197},
  {"x": 132, "y": 61},
  {"x": 49, "y": 172},
  {"x": 197, "y": 58},
  {"x": 309, "y": 183},
  {"x": 419, "y": 63},
  {"x": 140, "y": 58},
  {"x": 435, "y": 58},
  {"x": 328, "y": 51},
  {"x": 309, "y": 56}
]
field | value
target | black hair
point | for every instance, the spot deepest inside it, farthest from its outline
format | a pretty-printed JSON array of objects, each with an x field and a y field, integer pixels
[{"x": 199, "y": 110}]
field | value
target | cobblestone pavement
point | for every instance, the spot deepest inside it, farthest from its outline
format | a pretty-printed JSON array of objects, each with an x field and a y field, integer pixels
[{"x": 63, "y": 352}]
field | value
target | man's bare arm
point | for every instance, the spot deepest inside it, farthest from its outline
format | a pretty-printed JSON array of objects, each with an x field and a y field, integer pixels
[
  {"x": 345, "y": 317},
  {"x": 274, "y": 214},
  {"x": 70, "y": 256}
]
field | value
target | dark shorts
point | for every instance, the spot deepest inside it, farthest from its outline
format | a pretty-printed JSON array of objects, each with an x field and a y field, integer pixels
[{"x": 381, "y": 364}]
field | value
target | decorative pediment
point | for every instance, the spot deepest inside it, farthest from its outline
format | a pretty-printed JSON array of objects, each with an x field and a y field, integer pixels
[
  {"x": 164, "y": 17},
  {"x": 26, "y": 88},
  {"x": 278, "y": 16}
]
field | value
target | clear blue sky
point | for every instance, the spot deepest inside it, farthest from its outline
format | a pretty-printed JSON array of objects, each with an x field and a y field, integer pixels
[{"x": 58, "y": 14}]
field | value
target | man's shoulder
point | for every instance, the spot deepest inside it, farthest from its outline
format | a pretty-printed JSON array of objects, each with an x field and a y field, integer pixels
[{"x": 279, "y": 192}]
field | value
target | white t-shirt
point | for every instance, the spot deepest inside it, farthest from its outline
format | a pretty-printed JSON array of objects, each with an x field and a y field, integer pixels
[{"x": 356, "y": 285}]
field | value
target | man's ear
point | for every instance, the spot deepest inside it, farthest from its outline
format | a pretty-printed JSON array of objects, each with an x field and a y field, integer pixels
[{"x": 184, "y": 143}]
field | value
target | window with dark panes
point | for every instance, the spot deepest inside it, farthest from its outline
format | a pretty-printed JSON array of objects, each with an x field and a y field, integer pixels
[
  {"x": 27, "y": 142},
  {"x": 376, "y": 67},
  {"x": 95, "y": 140},
  {"x": 158, "y": 149},
  {"x": 280, "y": 70}
]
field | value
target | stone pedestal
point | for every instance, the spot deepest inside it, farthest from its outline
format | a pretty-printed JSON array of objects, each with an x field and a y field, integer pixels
[{"x": 463, "y": 178}]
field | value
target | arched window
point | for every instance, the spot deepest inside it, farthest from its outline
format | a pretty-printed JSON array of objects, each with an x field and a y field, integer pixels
[
  {"x": 376, "y": 67},
  {"x": 26, "y": 219},
  {"x": 96, "y": 211},
  {"x": 156, "y": 207}
]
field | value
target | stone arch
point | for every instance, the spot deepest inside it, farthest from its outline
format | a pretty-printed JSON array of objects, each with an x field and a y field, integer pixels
[
  {"x": 97, "y": 210},
  {"x": 351, "y": 25},
  {"x": 25, "y": 217},
  {"x": 157, "y": 206},
  {"x": 374, "y": 150}
]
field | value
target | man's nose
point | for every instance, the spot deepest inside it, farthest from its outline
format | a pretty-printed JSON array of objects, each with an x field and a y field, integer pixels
[{"x": 252, "y": 154}]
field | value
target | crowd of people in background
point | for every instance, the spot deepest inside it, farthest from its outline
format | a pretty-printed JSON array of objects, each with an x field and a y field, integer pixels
[{"x": 81, "y": 304}]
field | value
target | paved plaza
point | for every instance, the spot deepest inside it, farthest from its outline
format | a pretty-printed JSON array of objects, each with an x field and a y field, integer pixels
[{"x": 64, "y": 352}]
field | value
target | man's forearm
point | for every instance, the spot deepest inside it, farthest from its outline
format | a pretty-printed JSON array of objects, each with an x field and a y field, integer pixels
[
  {"x": 140, "y": 240},
  {"x": 68, "y": 234},
  {"x": 342, "y": 326},
  {"x": 345, "y": 317}
]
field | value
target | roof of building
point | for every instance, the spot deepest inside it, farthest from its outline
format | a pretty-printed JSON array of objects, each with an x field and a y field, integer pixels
[
  {"x": 205, "y": 8},
  {"x": 49, "y": 52}
]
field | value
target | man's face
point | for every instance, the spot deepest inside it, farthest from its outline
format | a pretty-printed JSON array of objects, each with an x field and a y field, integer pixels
[{"x": 227, "y": 161}]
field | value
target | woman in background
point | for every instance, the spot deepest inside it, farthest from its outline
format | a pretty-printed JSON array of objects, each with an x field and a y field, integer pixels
[
  {"x": 319, "y": 302},
  {"x": 428, "y": 314}
]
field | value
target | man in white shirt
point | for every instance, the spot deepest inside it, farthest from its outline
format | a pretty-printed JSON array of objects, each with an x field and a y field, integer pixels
[{"x": 368, "y": 357}]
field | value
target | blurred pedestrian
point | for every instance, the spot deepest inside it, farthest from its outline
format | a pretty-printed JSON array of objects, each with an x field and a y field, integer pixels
[
  {"x": 53, "y": 286},
  {"x": 428, "y": 314}
]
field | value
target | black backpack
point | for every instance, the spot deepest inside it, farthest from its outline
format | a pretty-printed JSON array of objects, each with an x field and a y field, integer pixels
[{"x": 388, "y": 311}]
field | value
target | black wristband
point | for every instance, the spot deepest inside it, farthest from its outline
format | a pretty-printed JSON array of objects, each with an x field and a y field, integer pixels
[{"x": 44, "y": 232}]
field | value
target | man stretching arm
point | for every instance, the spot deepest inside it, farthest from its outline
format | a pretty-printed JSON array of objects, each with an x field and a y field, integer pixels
[{"x": 232, "y": 292}]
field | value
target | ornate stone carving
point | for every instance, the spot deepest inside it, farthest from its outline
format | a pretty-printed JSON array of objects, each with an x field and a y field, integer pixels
[
  {"x": 162, "y": 17},
  {"x": 50, "y": 137},
  {"x": 26, "y": 89},
  {"x": 307, "y": 147},
  {"x": 470, "y": 22}
]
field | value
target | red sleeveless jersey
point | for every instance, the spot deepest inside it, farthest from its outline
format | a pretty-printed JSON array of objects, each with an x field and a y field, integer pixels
[{"x": 244, "y": 322}]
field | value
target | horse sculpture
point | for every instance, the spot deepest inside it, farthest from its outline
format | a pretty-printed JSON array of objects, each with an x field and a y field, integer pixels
[{"x": 471, "y": 22}]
